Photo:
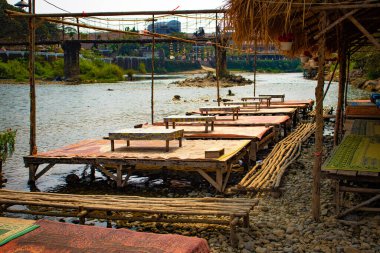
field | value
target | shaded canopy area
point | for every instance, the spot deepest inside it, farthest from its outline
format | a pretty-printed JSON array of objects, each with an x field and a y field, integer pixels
[{"x": 299, "y": 21}]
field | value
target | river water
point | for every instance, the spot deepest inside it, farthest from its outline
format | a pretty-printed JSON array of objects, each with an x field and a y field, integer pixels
[{"x": 67, "y": 114}]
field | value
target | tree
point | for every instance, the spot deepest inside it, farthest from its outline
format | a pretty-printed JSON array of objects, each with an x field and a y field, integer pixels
[
  {"x": 7, "y": 146},
  {"x": 14, "y": 29}
]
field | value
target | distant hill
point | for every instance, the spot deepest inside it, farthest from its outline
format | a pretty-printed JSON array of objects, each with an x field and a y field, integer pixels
[{"x": 16, "y": 29}]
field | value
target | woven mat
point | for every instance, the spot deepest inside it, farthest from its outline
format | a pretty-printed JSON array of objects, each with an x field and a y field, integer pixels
[
  {"x": 357, "y": 153},
  {"x": 11, "y": 228},
  {"x": 69, "y": 238}
]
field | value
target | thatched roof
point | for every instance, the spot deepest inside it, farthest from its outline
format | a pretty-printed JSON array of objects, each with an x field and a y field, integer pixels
[{"x": 267, "y": 20}]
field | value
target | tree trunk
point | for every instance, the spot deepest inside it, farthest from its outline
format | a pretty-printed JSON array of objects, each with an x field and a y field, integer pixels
[{"x": 222, "y": 62}]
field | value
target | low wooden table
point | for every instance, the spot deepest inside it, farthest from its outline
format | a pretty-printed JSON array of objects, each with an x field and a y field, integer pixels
[
  {"x": 244, "y": 104},
  {"x": 145, "y": 134},
  {"x": 260, "y": 98},
  {"x": 190, "y": 118},
  {"x": 234, "y": 109},
  {"x": 280, "y": 96}
]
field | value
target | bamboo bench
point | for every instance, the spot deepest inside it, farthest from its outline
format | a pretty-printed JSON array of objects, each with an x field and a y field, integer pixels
[{"x": 221, "y": 211}]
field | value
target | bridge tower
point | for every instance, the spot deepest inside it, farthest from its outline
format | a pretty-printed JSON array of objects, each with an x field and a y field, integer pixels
[{"x": 71, "y": 59}]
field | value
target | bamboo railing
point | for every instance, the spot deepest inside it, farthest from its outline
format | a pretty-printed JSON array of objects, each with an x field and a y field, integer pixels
[{"x": 267, "y": 176}]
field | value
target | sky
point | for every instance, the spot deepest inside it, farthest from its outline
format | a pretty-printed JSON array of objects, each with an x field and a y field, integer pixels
[{"x": 42, "y": 6}]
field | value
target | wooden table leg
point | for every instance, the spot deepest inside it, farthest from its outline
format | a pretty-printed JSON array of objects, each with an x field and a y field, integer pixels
[
  {"x": 128, "y": 143},
  {"x": 237, "y": 114},
  {"x": 180, "y": 141},
  {"x": 233, "y": 115},
  {"x": 206, "y": 127},
  {"x": 212, "y": 125},
  {"x": 112, "y": 145},
  {"x": 167, "y": 146},
  {"x": 173, "y": 125},
  {"x": 167, "y": 124}
]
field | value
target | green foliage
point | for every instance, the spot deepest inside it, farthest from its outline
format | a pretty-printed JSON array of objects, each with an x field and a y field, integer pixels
[
  {"x": 368, "y": 62},
  {"x": 14, "y": 69},
  {"x": 7, "y": 143},
  {"x": 97, "y": 70},
  {"x": 13, "y": 29},
  {"x": 142, "y": 68},
  {"x": 272, "y": 66}
]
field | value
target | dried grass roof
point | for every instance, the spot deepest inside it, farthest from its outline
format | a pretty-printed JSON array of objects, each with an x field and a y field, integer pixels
[{"x": 266, "y": 20}]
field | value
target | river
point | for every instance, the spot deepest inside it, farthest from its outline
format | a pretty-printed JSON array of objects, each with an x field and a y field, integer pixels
[{"x": 67, "y": 114}]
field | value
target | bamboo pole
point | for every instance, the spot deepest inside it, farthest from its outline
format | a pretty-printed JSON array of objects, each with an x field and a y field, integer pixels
[
  {"x": 217, "y": 60},
  {"x": 32, "y": 92},
  {"x": 316, "y": 205},
  {"x": 342, "y": 50},
  {"x": 364, "y": 31},
  {"x": 255, "y": 67},
  {"x": 152, "y": 88}
]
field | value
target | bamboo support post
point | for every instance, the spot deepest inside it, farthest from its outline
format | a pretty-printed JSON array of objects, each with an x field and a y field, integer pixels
[
  {"x": 32, "y": 92},
  {"x": 342, "y": 51},
  {"x": 319, "y": 123},
  {"x": 152, "y": 87},
  {"x": 233, "y": 236},
  {"x": 217, "y": 67}
]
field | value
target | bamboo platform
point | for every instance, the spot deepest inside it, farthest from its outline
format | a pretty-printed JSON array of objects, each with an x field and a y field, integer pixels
[
  {"x": 195, "y": 131},
  {"x": 292, "y": 113},
  {"x": 147, "y": 155},
  {"x": 222, "y": 211},
  {"x": 280, "y": 122},
  {"x": 355, "y": 164},
  {"x": 267, "y": 176}
]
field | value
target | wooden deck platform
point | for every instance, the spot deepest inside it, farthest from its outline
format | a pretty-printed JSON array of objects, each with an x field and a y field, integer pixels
[
  {"x": 292, "y": 113},
  {"x": 354, "y": 164},
  {"x": 221, "y": 211},
  {"x": 147, "y": 155}
]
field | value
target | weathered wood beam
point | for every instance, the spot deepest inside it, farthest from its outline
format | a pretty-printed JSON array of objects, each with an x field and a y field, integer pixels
[{"x": 364, "y": 31}]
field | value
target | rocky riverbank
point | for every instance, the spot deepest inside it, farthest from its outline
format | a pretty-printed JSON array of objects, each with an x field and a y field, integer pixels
[
  {"x": 210, "y": 81},
  {"x": 283, "y": 224}
]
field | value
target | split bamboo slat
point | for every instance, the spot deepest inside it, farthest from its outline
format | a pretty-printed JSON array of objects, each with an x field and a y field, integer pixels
[
  {"x": 267, "y": 176},
  {"x": 221, "y": 211},
  {"x": 327, "y": 113}
]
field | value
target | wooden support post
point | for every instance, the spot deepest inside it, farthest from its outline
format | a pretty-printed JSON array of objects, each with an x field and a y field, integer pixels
[
  {"x": 152, "y": 88},
  {"x": 254, "y": 71},
  {"x": 342, "y": 50},
  {"x": 92, "y": 173},
  {"x": 119, "y": 176},
  {"x": 32, "y": 93},
  {"x": 233, "y": 237},
  {"x": 32, "y": 174},
  {"x": 109, "y": 223},
  {"x": 316, "y": 192},
  {"x": 337, "y": 197},
  {"x": 217, "y": 60}
]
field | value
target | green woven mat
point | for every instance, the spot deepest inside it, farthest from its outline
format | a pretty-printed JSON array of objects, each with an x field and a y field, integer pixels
[
  {"x": 356, "y": 152},
  {"x": 12, "y": 228}
]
